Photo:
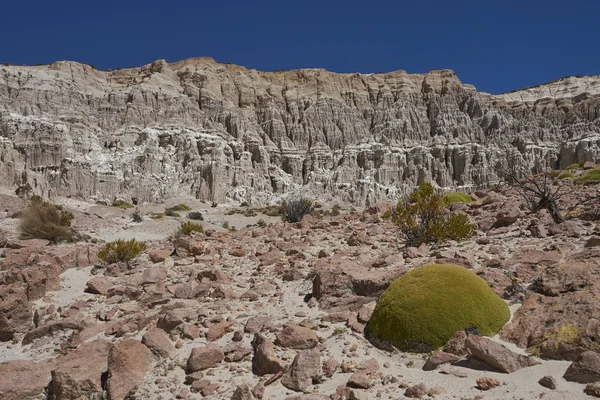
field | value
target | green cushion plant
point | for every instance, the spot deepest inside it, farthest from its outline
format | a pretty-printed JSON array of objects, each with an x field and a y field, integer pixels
[
  {"x": 421, "y": 310},
  {"x": 456, "y": 197},
  {"x": 592, "y": 176}
]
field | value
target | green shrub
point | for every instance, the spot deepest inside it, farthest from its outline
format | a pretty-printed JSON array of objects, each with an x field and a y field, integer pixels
[
  {"x": 213, "y": 204},
  {"x": 553, "y": 174},
  {"x": 43, "y": 220},
  {"x": 335, "y": 210},
  {"x": 272, "y": 211},
  {"x": 170, "y": 212},
  {"x": 261, "y": 223},
  {"x": 181, "y": 207},
  {"x": 457, "y": 197},
  {"x": 187, "y": 227},
  {"x": 566, "y": 175},
  {"x": 225, "y": 225},
  {"x": 592, "y": 176},
  {"x": 196, "y": 215},
  {"x": 421, "y": 218},
  {"x": 122, "y": 204},
  {"x": 157, "y": 215},
  {"x": 295, "y": 209},
  {"x": 244, "y": 204},
  {"x": 424, "y": 308},
  {"x": 121, "y": 251},
  {"x": 137, "y": 216},
  {"x": 573, "y": 166}
]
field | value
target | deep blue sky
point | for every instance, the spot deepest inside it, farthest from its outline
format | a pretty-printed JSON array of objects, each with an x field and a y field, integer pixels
[{"x": 495, "y": 45}]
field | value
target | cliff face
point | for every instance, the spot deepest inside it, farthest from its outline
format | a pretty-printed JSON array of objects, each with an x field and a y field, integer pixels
[{"x": 225, "y": 132}]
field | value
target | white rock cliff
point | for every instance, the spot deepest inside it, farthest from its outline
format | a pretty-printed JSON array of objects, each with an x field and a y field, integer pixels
[{"x": 223, "y": 132}]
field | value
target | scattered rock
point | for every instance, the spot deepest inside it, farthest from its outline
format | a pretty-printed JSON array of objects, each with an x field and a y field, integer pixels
[
  {"x": 297, "y": 337},
  {"x": 158, "y": 341},
  {"x": 99, "y": 285},
  {"x": 202, "y": 358},
  {"x": 496, "y": 355},
  {"x": 438, "y": 358},
  {"x": 416, "y": 391},
  {"x": 23, "y": 379},
  {"x": 487, "y": 383},
  {"x": 585, "y": 369},
  {"x": 128, "y": 363},
  {"x": 265, "y": 361},
  {"x": 304, "y": 371},
  {"x": 360, "y": 380},
  {"x": 548, "y": 382}
]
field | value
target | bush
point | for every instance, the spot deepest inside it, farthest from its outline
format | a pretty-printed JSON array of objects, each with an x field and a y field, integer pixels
[
  {"x": 272, "y": 211},
  {"x": 295, "y": 209},
  {"x": 157, "y": 215},
  {"x": 553, "y": 174},
  {"x": 43, "y": 220},
  {"x": 421, "y": 310},
  {"x": 592, "y": 176},
  {"x": 457, "y": 197},
  {"x": 137, "y": 216},
  {"x": 421, "y": 218},
  {"x": 566, "y": 175},
  {"x": 121, "y": 251},
  {"x": 181, "y": 207},
  {"x": 187, "y": 227},
  {"x": 213, "y": 204},
  {"x": 573, "y": 166},
  {"x": 261, "y": 223},
  {"x": 170, "y": 212},
  {"x": 335, "y": 210},
  {"x": 196, "y": 215},
  {"x": 122, "y": 204}
]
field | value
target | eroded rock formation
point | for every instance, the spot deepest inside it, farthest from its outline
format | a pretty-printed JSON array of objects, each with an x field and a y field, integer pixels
[{"x": 225, "y": 132}]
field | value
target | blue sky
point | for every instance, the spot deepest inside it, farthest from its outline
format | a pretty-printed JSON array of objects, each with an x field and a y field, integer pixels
[{"x": 495, "y": 45}]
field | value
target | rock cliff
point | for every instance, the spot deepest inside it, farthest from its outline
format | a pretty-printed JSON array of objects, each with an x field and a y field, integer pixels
[{"x": 223, "y": 132}]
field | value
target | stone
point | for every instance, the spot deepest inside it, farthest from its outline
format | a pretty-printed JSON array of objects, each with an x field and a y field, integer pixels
[
  {"x": 297, "y": 337},
  {"x": 456, "y": 345},
  {"x": 202, "y": 358},
  {"x": 154, "y": 275},
  {"x": 22, "y": 379},
  {"x": 15, "y": 311},
  {"x": 592, "y": 389},
  {"x": 99, "y": 285},
  {"x": 159, "y": 255},
  {"x": 496, "y": 355},
  {"x": 218, "y": 330},
  {"x": 304, "y": 371},
  {"x": 158, "y": 342},
  {"x": 487, "y": 383},
  {"x": 585, "y": 369},
  {"x": 128, "y": 363},
  {"x": 548, "y": 382},
  {"x": 594, "y": 241},
  {"x": 242, "y": 392},
  {"x": 360, "y": 380},
  {"x": 78, "y": 374},
  {"x": 330, "y": 366},
  {"x": 264, "y": 361},
  {"x": 257, "y": 324},
  {"x": 416, "y": 391},
  {"x": 438, "y": 358}
]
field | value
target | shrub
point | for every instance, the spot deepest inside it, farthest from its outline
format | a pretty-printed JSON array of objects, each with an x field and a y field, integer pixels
[
  {"x": 122, "y": 204},
  {"x": 592, "y": 176},
  {"x": 225, "y": 225},
  {"x": 181, "y": 207},
  {"x": 43, "y": 220},
  {"x": 457, "y": 197},
  {"x": 295, "y": 209},
  {"x": 196, "y": 215},
  {"x": 121, "y": 251},
  {"x": 213, "y": 204},
  {"x": 553, "y": 174},
  {"x": 261, "y": 223},
  {"x": 421, "y": 218},
  {"x": 244, "y": 204},
  {"x": 272, "y": 211},
  {"x": 573, "y": 166},
  {"x": 566, "y": 175},
  {"x": 424, "y": 308},
  {"x": 335, "y": 210},
  {"x": 157, "y": 215},
  {"x": 170, "y": 212},
  {"x": 137, "y": 216},
  {"x": 187, "y": 227}
]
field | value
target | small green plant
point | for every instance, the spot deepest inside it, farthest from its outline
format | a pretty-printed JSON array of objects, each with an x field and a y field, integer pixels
[
  {"x": 187, "y": 227},
  {"x": 232, "y": 228},
  {"x": 244, "y": 204},
  {"x": 339, "y": 331},
  {"x": 121, "y": 251},
  {"x": 213, "y": 204},
  {"x": 196, "y": 215},
  {"x": 272, "y": 211},
  {"x": 352, "y": 210},
  {"x": 157, "y": 216},
  {"x": 295, "y": 209},
  {"x": 43, "y": 220},
  {"x": 573, "y": 166},
  {"x": 122, "y": 204},
  {"x": 589, "y": 177},
  {"x": 225, "y": 225},
  {"x": 335, "y": 210},
  {"x": 181, "y": 207},
  {"x": 457, "y": 197},
  {"x": 261, "y": 223},
  {"x": 421, "y": 218},
  {"x": 170, "y": 212},
  {"x": 553, "y": 174},
  {"x": 136, "y": 216},
  {"x": 566, "y": 175}
]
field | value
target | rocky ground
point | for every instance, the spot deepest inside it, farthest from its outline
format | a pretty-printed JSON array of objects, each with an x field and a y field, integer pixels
[{"x": 278, "y": 312}]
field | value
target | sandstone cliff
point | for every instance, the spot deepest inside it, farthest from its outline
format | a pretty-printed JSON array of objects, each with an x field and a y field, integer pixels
[{"x": 222, "y": 132}]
